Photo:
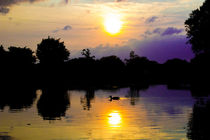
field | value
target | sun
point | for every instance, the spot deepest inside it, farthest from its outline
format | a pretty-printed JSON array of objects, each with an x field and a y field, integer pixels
[{"x": 112, "y": 23}]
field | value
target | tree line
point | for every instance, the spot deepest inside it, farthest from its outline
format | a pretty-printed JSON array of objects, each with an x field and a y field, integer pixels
[{"x": 52, "y": 51}]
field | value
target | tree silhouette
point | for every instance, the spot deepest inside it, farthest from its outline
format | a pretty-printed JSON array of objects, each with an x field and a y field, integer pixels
[
  {"x": 52, "y": 51},
  {"x": 202, "y": 59},
  {"x": 138, "y": 67},
  {"x": 136, "y": 60},
  {"x": 198, "y": 29},
  {"x": 17, "y": 56},
  {"x": 133, "y": 55},
  {"x": 111, "y": 68},
  {"x": 23, "y": 56},
  {"x": 111, "y": 62},
  {"x": 176, "y": 61},
  {"x": 3, "y": 55},
  {"x": 87, "y": 53},
  {"x": 2, "y": 50}
]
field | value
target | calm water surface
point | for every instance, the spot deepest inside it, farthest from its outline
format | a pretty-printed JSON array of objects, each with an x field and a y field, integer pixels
[{"x": 48, "y": 114}]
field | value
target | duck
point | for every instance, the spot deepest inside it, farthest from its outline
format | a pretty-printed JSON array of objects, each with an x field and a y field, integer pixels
[{"x": 114, "y": 98}]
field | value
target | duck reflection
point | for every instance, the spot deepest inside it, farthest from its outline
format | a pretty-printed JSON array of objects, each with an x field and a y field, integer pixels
[
  {"x": 87, "y": 99},
  {"x": 53, "y": 103},
  {"x": 114, "y": 119},
  {"x": 133, "y": 94},
  {"x": 17, "y": 98},
  {"x": 199, "y": 121}
]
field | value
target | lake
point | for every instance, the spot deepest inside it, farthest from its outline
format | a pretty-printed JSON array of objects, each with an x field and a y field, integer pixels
[{"x": 57, "y": 114}]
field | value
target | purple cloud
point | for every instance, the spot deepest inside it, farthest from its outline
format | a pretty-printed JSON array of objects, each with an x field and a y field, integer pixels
[
  {"x": 6, "y": 4},
  {"x": 163, "y": 31},
  {"x": 157, "y": 31},
  {"x": 151, "y": 19},
  {"x": 171, "y": 31},
  {"x": 67, "y": 27},
  {"x": 4, "y": 10}
]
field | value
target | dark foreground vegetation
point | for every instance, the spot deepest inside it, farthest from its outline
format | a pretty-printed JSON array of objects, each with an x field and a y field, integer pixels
[{"x": 51, "y": 64}]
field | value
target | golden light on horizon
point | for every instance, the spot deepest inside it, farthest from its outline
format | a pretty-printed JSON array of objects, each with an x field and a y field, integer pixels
[
  {"x": 112, "y": 23},
  {"x": 114, "y": 119}
]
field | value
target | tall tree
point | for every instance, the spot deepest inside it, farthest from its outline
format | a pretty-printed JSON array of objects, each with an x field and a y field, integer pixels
[
  {"x": 198, "y": 29},
  {"x": 52, "y": 51}
]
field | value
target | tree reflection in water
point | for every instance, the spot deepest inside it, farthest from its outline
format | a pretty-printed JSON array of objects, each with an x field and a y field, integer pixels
[
  {"x": 199, "y": 121},
  {"x": 17, "y": 98},
  {"x": 87, "y": 99},
  {"x": 133, "y": 94},
  {"x": 53, "y": 103}
]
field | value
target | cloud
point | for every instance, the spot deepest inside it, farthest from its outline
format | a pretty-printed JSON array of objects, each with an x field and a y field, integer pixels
[
  {"x": 163, "y": 32},
  {"x": 4, "y": 10},
  {"x": 157, "y": 31},
  {"x": 151, "y": 19},
  {"x": 171, "y": 31},
  {"x": 6, "y": 4},
  {"x": 65, "y": 28}
]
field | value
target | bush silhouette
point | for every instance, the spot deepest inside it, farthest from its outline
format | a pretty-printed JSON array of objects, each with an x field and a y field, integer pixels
[{"x": 52, "y": 51}]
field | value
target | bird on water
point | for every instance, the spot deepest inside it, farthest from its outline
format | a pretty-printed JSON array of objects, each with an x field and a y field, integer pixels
[{"x": 114, "y": 98}]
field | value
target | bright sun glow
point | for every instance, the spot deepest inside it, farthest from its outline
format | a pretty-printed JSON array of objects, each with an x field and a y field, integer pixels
[
  {"x": 114, "y": 119},
  {"x": 113, "y": 23}
]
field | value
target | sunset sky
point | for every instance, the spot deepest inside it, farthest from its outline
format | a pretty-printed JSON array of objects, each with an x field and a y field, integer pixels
[{"x": 152, "y": 28}]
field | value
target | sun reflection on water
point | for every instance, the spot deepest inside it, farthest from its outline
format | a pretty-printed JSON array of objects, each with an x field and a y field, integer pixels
[{"x": 115, "y": 119}]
